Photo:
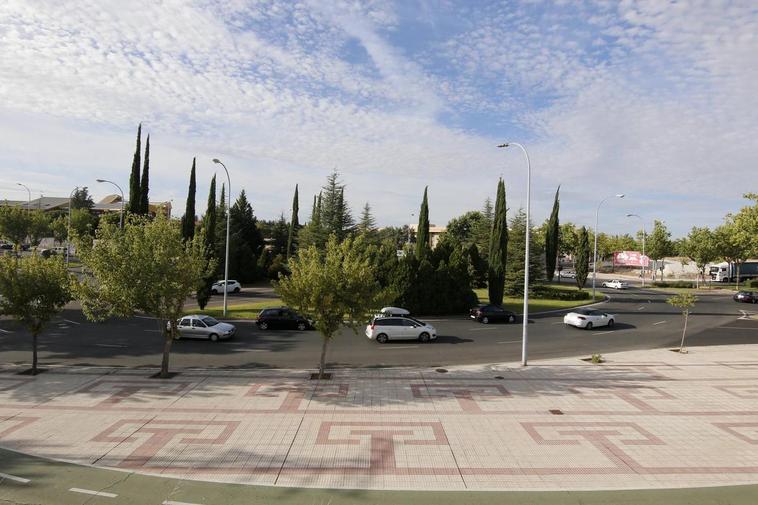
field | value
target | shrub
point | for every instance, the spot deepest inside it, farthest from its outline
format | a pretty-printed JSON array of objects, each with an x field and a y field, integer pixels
[
  {"x": 597, "y": 358},
  {"x": 753, "y": 283},
  {"x": 674, "y": 284},
  {"x": 544, "y": 291}
]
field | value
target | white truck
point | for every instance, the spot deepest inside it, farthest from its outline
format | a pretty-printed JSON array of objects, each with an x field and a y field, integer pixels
[{"x": 727, "y": 272}]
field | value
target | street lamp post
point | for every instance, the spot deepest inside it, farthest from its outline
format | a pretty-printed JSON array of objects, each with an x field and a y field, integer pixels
[
  {"x": 68, "y": 231},
  {"x": 594, "y": 254},
  {"x": 525, "y": 322},
  {"x": 121, "y": 222},
  {"x": 643, "y": 245},
  {"x": 29, "y": 196},
  {"x": 228, "y": 215}
]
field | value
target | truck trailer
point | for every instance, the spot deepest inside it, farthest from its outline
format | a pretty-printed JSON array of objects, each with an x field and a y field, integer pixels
[{"x": 728, "y": 272}]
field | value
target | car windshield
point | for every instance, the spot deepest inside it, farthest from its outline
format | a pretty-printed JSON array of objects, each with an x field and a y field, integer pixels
[
  {"x": 208, "y": 320},
  {"x": 422, "y": 323},
  {"x": 584, "y": 312}
]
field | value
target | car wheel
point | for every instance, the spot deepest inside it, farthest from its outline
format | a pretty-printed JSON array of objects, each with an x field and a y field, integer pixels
[
  {"x": 511, "y": 319},
  {"x": 424, "y": 337},
  {"x": 301, "y": 326},
  {"x": 213, "y": 337},
  {"x": 485, "y": 320},
  {"x": 381, "y": 338},
  {"x": 610, "y": 323},
  {"x": 588, "y": 327},
  {"x": 263, "y": 325},
  {"x": 236, "y": 290}
]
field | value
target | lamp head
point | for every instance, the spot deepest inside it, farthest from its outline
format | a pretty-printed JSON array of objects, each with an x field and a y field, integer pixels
[
  {"x": 101, "y": 180},
  {"x": 504, "y": 145},
  {"x": 620, "y": 195},
  {"x": 216, "y": 160}
]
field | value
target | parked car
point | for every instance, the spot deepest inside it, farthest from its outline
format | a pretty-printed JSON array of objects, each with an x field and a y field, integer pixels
[
  {"x": 486, "y": 314},
  {"x": 383, "y": 329},
  {"x": 205, "y": 327},
  {"x": 746, "y": 297},
  {"x": 589, "y": 318},
  {"x": 615, "y": 284},
  {"x": 231, "y": 287},
  {"x": 570, "y": 274},
  {"x": 393, "y": 311},
  {"x": 282, "y": 318}
]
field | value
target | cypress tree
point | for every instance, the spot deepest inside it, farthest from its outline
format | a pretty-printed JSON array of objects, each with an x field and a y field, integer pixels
[
  {"x": 294, "y": 226},
  {"x": 582, "y": 258},
  {"x": 188, "y": 220},
  {"x": 135, "y": 196},
  {"x": 145, "y": 183},
  {"x": 552, "y": 238},
  {"x": 422, "y": 234},
  {"x": 498, "y": 253},
  {"x": 209, "y": 230},
  {"x": 221, "y": 229},
  {"x": 367, "y": 223}
]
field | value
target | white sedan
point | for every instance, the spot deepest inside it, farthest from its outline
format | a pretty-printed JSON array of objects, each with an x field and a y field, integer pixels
[
  {"x": 615, "y": 284},
  {"x": 588, "y": 319},
  {"x": 231, "y": 287}
]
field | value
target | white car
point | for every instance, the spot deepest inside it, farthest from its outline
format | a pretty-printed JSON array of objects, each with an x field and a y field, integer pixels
[
  {"x": 569, "y": 274},
  {"x": 589, "y": 318},
  {"x": 383, "y": 329},
  {"x": 393, "y": 311},
  {"x": 615, "y": 284},
  {"x": 231, "y": 287}
]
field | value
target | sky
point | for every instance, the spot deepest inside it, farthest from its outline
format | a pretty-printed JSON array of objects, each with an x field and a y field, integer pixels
[{"x": 656, "y": 100}]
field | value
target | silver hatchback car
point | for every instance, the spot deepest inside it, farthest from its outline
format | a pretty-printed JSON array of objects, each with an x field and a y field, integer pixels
[{"x": 205, "y": 327}]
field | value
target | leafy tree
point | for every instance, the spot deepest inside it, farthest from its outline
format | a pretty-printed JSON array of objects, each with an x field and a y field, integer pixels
[
  {"x": 144, "y": 187},
  {"x": 14, "y": 224},
  {"x": 473, "y": 227},
  {"x": 81, "y": 199},
  {"x": 294, "y": 226},
  {"x": 400, "y": 236},
  {"x": 39, "y": 226},
  {"x": 209, "y": 234},
  {"x": 59, "y": 229},
  {"x": 683, "y": 301},
  {"x": 335, "y": 217},
  {"x": 221, "y": 230},
  {"x": 188, "y": 220},
  {"x": 314, "y": 232},
  {"x": 740, "y": 235},
  {"x": 135, "y": 194},
  {"x": 569, "y": 239},
  {"x": 367, "y": 224},
  {"x": 478, "y": 267},
  {"x": 32, "y": 290},
  {"x": 498, "y": 251},
  {"x": 659, "y": 244},
  {"x": 85, "y": 223},
  {"x": 582, "y": 254},
  {"x": 145, "y": 268},
  {"x": 514, "y": 271},
  {"x": 700, "y": 247},
  {"x": 245, "y": 242},
  {"x": 332, "y": 287},
  {"x": 552, "y": 239},
  {"x": 422, "y": 232}
]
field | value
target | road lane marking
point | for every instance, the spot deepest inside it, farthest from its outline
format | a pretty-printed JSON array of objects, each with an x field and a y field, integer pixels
[
  {"x": 400, "y": 347},
  {"x": 510, "y": 341},
  {"x": 13, "y": 477},
  {"x": 641, "y": 308},
  {"x": 70, "y": 321},
  {"x": 169, "y": 502},
  {"x": 659, "y": 322},
  {"x": 738, "y": 328},
  {"x": 93, "y": 493},
  {"x": 604, "y": 332},
  {"x": 5, "y": 331}
]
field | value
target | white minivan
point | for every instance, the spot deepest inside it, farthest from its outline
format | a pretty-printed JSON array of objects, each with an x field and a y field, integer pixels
[{"x": 383, "y": 329}]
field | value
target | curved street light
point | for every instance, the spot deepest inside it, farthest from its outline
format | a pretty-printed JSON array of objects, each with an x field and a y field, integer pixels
[
  {"x": 643, "y": 245},
  {"x": 29, "y": 196},
  {"x": 121, "y": 225},
  {"x": 228, "y": 215},
  {"x": 525, "y": 322},
  {"x": 68, "y": 232},
  {"x": 594, "y": 255}
]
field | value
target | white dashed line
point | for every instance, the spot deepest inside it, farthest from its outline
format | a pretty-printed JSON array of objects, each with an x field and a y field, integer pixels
[
  {"x": 5, "y": 331},
  {"x": 659, "y": 322},
  {"x": 604, "y": 332},
  {"x": 93, "y": 493},
  {"x": 168, "y": 502},
  {"x": 70, "y": 321},
  {"x": 641, "y": 308},
  {"x": 13, "y": 477},
  {"x": 510, "y": 342}
]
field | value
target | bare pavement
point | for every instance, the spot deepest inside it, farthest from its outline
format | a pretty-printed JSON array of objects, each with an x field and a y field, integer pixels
[{"x": 641, "y": 427}]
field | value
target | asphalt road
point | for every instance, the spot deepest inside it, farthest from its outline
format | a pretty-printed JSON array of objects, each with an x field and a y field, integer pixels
[{"x": 643, "y": 321}]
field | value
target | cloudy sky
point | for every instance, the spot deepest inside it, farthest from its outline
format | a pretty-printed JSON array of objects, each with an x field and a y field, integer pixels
[{"x": 653, "y": 99}]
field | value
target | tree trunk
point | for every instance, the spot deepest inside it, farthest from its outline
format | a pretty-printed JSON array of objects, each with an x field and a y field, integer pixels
[
  {"x": 168, "y": 331},
  {"x": 34, "y": 353},
  {"x": 684, "y": 331},
  {"x": 322, "y": 363}
]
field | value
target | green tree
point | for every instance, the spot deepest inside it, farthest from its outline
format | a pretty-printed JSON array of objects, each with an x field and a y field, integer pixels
[
  {"x": 146, "y": 268},
  {"x": 335, "y": 288},
  {"x": 221, "y": 230},
  {"x": 313, "y": 234},
  {"x": 334, "y": 215},
  {"x": 14, "y": 224},
  {"x": 422, "y": 233},
  {"x": 294, "y": 226},
  {"x": 659, "y": 244},
  {"x": 135, "y": 194},
  {"x": 85, "y": 223},
  {"x": 552, "y": 239},
  {"x": 742, "y": 234},
  {"x": 367, "y": 223},
  {"x": 582, "y": 255},
  {"x": 683, "y": 301},
  {"x": 188, "y": 220},
  {"x": 39, "y": 226},
  {"x": 569, "y": 239},
  {"x": 514, "y": 271},
  {"x": 209, "y": 234},
  {"x": 498, "y": 250},
  {"x": 700, "y": 247},
  {"x": 245, "y": 242},
  {"x": 32, "y": 290},
  {"x": 59, "y": 229},
  {"x": 81, "y": 199},
  {"x": 144, "y": 187}
]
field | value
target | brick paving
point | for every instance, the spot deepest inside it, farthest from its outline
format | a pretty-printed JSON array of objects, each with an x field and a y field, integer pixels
[{"x": 643, "y": 419}]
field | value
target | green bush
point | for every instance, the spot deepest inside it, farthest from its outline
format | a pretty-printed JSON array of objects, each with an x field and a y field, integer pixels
[
  {"x": 753, "y": 283},
  {"x": 674, "y": 284},
  {"x": 548, "y": 292}
]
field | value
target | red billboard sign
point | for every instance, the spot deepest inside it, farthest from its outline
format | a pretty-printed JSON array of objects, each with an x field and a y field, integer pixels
[{"x": 630, "y": 259}]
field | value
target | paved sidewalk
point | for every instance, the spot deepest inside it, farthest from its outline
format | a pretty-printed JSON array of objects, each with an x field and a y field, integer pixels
[{"x": 644, "y": 419}]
